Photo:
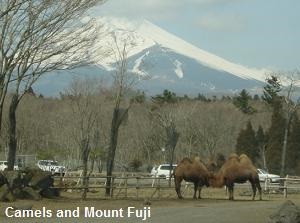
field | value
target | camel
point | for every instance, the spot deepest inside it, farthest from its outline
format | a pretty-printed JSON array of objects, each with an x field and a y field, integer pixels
[
  {"x": 237, "y": 169},
  {"x": 191, "y": 171}
]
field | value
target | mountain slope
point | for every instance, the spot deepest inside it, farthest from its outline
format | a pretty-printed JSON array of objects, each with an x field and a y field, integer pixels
[{"x": 161, "y": 60}]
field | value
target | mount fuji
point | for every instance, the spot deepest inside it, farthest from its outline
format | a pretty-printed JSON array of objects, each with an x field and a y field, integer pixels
[{"x": 160, "y": 60}]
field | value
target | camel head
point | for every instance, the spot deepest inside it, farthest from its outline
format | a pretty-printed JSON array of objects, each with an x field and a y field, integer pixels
[
  {"x": 215, "y": 180},
  {"x": 211, "y": 166}
]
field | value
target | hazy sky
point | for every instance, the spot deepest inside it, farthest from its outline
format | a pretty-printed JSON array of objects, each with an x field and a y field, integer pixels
[{"x": 255, "y": 33}]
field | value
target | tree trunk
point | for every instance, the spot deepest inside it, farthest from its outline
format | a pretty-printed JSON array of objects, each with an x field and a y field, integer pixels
[
  {"x": 172, "y": 139},
  {"x": 12, "y": 140},
  {"x": 85, "y": 157},
  {"x": 112, "y": 150},
  {"x": 172, "y": 150},
  {"x": 263, "y": 154},
  {"x": 1, "y": 112},
  {"x": 99, "y": 165},
  {"x": 284, "y": 146}
]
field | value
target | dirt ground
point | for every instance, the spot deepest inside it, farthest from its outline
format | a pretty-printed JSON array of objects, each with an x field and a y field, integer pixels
[{"x": 214, "y": 207}]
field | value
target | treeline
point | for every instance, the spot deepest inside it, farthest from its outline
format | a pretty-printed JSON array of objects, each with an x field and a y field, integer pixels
[{"x": 52, "y": 128}]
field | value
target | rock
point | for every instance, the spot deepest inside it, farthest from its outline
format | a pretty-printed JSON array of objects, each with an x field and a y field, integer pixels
[
  {"x": 6, "y": 194},
  {"x": 11, "y": 181},
  {"x": 29, "y": 183},
  {"x": 4, "y": 190},
  {"x": 287, "y": 213},
  {"x": 37, "y": 178},
  {"x": 41, "y": 182},
  {"x": 30, "y": 193},
  {"x": 2, "y": 179},
  {"x": 50, "y": 193}
]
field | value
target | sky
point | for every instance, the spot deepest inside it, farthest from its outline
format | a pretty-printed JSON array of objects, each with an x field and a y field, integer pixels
[{"x": 254, "y": 33}]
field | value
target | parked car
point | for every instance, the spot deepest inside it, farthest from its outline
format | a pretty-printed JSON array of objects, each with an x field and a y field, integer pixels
[
  {"x": 3, "y": 166},
  {"x": 162, "y": 170},
  {"x": 264, "y": 175},
  {"x": 52, "y": 166}
]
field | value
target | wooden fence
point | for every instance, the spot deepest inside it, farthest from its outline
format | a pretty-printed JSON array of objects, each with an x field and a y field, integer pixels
[
  {"x": 119, "y": 184},
  {"x": 122, "y": 184},
  {"x": 286, "y": 184}
]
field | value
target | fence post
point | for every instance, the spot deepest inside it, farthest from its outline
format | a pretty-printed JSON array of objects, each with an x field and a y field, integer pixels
[
  {"x": 266, "y": 184},
  {"x": 137, "y": 187},
  {"x": 126, "y": 186},
  {"x": 158, "y": 187},
  {"x": 61, "y": 179},
  {"x": 112, "y": 186},
  {"x": 285, "y": 186}
]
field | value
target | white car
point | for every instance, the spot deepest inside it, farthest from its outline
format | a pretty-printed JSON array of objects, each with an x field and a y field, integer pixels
[
  {"x": 162, "y": 170},
  {"x": 3, "y": 166},
  {"x": 264, "y": 175},
  {"x": 51, "y": 166}
]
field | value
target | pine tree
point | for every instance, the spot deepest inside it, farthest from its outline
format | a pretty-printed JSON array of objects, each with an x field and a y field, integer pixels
[
  {"x": 261, "y": 141},
  {"x": 271, "y": 90},
  {"x": 275, "y": 138},
  {"x": 293, "y": 150},
  {"x": 242, "y": 102},
  {"x": 246, "y": 143},
  {"x": 166, "y": 97}
]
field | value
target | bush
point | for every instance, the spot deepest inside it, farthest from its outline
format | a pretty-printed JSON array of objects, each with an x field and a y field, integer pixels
[{"x": 135, "y": 164}]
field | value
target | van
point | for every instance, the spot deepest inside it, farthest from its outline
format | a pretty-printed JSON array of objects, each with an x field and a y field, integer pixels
[{"x": 3, "y": 165}]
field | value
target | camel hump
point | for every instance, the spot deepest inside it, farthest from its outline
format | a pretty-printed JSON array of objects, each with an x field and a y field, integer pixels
[
  {"x": 233, "y": 156},
  {"x": 197, "y": 159},
  {"x": 244, "y": 156},
  {"x": 186, "y": 160},
  {"x": 245, "y": 159}
]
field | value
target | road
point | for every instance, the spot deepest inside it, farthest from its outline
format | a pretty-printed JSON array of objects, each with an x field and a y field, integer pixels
[{"x": 188, "y": 210}]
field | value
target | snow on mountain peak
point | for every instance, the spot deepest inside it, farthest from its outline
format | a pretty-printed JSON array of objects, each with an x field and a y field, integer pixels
[
  {"x": 141, "y": 35},
  {"x": 137, "y": 68},
  {"x": 178, "y": 70}
]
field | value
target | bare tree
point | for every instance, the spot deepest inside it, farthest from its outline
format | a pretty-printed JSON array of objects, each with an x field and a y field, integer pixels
[
  {"x": 189, "y": 127},
  {"x": 123, "y": 81},
  {"x": 38, "y": 37},
  {"x": 290, "y": 109},
  {"x": 85, "y": 110},
  {"x": 166, "y": 119}
]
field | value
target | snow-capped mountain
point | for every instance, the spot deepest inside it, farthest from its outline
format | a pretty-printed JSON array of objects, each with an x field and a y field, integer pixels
[{"x": 163, "y": 61}]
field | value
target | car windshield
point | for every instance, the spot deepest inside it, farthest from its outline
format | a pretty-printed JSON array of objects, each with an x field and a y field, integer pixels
[
  {"x": 42, "y": 162},
  {"x": 166, "y": 167},
  {"x": 263, "y": 171},
  {"x": 54, "y": 163}
]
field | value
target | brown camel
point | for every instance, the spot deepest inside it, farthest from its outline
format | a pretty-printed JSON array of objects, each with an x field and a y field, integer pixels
[
  {"x": 191, "y": 171},
  {"x": 237, "y": 169}
]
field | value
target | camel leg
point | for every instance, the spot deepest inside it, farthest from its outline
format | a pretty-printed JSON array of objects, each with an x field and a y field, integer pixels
[
  {"x": 177, "y": 187},
  {"x": 253, "y": 190},
  {"x": 195, "y": 190},
  {"x": 230, "y": 190},
  {"x": 199, "y": 192},
  {"x": 259, "y": 188}
]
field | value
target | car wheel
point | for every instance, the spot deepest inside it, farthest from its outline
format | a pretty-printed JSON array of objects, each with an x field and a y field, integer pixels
[{"x": 268, "y": 180}]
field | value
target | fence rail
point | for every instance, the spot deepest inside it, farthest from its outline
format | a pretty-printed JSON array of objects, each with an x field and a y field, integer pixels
[
  {"x": 286, "y": 184},
  {"x": 118, "y": 184},
  {"x": 122, "y": 184}
]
